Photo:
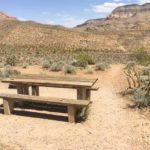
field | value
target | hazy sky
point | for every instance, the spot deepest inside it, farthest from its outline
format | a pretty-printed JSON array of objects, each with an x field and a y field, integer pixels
[{"x": 64, "y": 12}]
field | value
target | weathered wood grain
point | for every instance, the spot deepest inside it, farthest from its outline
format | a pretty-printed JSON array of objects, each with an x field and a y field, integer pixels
[
  {"x": 49, "y": 100},
  {"x": 8, "y": 106},
  {"x": 71, "y": 114},
  {"x": 35, "y": 90},
  {"x": 49, "y": 83}
]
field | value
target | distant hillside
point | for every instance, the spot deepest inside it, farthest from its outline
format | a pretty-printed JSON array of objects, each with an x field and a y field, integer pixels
[
  {"x": 129, "y": 24},
  {"x": 28, "y": 33},
  {"x": 126, "y": 29},
  {"x": 6, "y": 17}
]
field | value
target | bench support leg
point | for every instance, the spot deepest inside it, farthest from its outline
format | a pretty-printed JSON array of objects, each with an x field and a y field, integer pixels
[
  {"x": 83, "y": 94},
  {"x": 8, "y": 107},
  {"x": 19, "y": 89},
  {"x": 71, "y": 114},
  {"x": 35, "y": 90},
  {"x": 88, "y": 94},
  {"x": 25, "y": 89}
]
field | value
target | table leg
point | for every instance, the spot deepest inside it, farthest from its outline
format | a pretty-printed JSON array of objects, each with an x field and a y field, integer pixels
[
  {"x": 19, "y": 89},
  {"x": 88, "y": 94},
  {"x": 8, "y": 107},
  {"x": 22, "y": 89},
  {"x": 35, "y": 90},
  {"x": 83, "y": 94},
  {"x": 25, "y": 89}
]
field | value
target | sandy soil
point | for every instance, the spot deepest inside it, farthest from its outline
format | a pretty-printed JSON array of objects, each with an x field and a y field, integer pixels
[{"x": 111, "y": 124}]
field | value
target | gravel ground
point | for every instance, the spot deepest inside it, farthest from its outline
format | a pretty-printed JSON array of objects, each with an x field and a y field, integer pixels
[{"x": 111, "y": 124}]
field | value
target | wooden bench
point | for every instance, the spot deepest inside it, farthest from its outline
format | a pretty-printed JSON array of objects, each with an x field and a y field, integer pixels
[{"x": 8, "y": 101}]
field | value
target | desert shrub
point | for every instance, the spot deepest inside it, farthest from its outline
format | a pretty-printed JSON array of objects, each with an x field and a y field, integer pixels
[
  {"x": 47, "y": 64},
  {"x": 130, "y": 65},
  {"x": 84, "y": 60},
  {"x": 101, "y": 67},
  {"x": 146, "y": 71},
  {"x": 142, "y": 56},
  {"x": 141, "y": 98},
  {"x": 7, "y": 72},
  {"x": 82, "y": 114},
  {"x": 74, "y": 63},
  {"x": 139, "y": 85},
  {"x": 24, "y": 66},
  {"x": 57, "y": 66},
  {"x": 82, "y": 63},
  {"x": 69, "y": 69},
  {"x": 11, "y": 60},
  {"x": 89, "y": 70}
]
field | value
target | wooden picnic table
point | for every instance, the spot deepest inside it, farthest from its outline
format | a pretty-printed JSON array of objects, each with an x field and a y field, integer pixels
[{"x": 23, "y": 82}]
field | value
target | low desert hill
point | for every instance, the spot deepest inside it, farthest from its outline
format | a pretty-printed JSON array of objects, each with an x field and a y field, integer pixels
[{"x": 126, "y": 29}]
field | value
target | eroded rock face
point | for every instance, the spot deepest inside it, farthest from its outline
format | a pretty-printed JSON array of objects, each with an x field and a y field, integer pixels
[
  {"x": 3, "y": 16},
  {"x": 129, "y": 11}
]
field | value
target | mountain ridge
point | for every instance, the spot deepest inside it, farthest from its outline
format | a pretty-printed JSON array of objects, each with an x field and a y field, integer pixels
[
  {"x": 129, "y": 11},
  {"x": 104, "y": 34}
]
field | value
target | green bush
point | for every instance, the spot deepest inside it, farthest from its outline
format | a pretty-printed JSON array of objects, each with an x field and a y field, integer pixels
[
  {"x": 12, "y": 61},
  {"x": 82, "y": 63},
  {"x": 84, "y": 60},
  {"x": 142, "y": 56},
  {"x": 130, "y": 65},
  {"x": 82, "y": 114},
  {"x": 101, "y": 67},
  {"x": 74, "y": 63},
  {"x": 7, "y": 72},
  {"x": 56, "y": 66},
  {"x": 47, "y": 64},
  {"x": 139, "y": 85},
  {"x": 69, "y": 69},
  {"x": 141, "y": 98}
]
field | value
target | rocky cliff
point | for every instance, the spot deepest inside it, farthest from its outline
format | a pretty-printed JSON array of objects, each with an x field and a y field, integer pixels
[{"x": 129, "y": 11}]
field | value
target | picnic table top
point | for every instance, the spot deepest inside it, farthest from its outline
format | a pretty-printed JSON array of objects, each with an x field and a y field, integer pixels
[{"x": 51, "y": 81}]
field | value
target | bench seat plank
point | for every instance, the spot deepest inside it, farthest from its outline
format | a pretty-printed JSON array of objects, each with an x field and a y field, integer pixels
[
  {"x": 50, "y": 100},
  {"x": 72, "y": 105}
]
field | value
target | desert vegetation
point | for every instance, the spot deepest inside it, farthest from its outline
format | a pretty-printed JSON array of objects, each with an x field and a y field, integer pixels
[
  {"x": 138, "y": 78},
  {"x": 8, "y": 72}
]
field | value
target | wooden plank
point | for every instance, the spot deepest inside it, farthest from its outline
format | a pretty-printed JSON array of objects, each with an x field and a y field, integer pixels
[
  {"x": 35, "y": 90},
  {"x": 8, "y": 107},
  {"x": 72, "y": 114},
  {"x": 49, "y": 100},
  {"x": 60, "y": 78},
  {"x": 93, "y": 88},
  {"x": 50, "y": 83}
]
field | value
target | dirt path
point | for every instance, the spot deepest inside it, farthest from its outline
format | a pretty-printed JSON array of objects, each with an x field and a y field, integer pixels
[{"x": 111, "y": 125}]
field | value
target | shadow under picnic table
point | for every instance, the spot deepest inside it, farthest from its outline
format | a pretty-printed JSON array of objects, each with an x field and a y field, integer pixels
[
  {"x": 40, "y": 115},
  {"x": 1, "y": 109},
  {"x": 39, "y": 107}
]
